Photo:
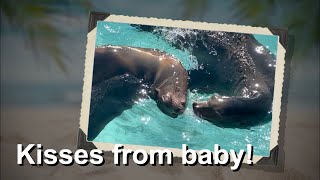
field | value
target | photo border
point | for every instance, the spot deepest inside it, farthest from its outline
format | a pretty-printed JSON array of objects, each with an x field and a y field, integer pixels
[{"x": 276, "y": 158}]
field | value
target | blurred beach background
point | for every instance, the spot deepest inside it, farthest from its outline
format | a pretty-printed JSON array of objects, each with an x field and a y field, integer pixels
[{"x": 42, "y": 61}]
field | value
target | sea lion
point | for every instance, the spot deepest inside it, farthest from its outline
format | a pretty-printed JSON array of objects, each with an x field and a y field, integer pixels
[
  {"x": 245, "y": 67},
  {"x": 164, "y": 73},
  {"x": 235, "y": 65}
]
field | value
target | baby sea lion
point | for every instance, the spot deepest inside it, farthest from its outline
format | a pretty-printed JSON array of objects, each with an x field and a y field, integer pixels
[
  {"x": 164, "y": 73},
  {"x": 243, "y": 66},
  {"x": 235, "y": 65}
]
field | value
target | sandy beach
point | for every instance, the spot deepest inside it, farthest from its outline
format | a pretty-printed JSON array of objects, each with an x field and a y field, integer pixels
[{"x": 56, "y": 127}]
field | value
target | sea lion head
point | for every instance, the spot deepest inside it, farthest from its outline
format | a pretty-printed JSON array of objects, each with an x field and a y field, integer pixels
[
  {"x": 171, "y": 100},
  {"x": 211, "y": 109}
]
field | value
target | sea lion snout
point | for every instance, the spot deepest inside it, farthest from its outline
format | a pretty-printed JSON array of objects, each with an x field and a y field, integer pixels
[
  {"x": 179, "y": 110},
  {"x": 172, "y": 104},
  {"x": 205, "y": 110},
  {"x": 179, "y": 105},
  {"x": 197, "y": 105},
  {"x": 200, "y": 108}
]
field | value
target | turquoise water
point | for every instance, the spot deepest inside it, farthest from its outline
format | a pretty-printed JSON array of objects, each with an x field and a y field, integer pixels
[{"x": 145, "y": 124}]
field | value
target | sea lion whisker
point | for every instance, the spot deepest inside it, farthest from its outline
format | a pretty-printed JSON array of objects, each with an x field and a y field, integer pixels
[{"x": 219, "y": 115}]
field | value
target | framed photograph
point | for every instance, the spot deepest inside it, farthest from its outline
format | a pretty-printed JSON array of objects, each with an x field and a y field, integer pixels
[{"x": 157, "y": 84}]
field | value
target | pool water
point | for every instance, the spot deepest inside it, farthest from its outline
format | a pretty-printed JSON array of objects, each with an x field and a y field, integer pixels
[{"x": 145, "y": 124}]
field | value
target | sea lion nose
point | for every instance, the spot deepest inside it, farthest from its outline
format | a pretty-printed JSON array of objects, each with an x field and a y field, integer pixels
[
  {"x": 183, "y": 104},
  {"x": 179, "y": 110},
  {"x": 194, "y": 105}
]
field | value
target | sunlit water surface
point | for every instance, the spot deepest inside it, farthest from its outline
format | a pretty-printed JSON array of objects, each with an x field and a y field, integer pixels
[{"x": 145, "y": 124}]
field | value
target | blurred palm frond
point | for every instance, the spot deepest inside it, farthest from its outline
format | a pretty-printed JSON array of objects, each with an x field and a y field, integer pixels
[
  {"x": 191, "y": 7},
  {"x": 300, "y": 17},
  {"x": 34, "y": 20}
]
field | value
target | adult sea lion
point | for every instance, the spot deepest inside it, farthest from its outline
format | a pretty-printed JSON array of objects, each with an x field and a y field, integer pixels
[{"x": 165, "y": 74}]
